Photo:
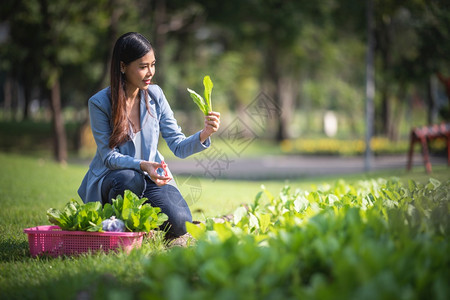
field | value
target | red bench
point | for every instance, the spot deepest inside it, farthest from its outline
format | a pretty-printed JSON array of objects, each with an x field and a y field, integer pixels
[{"x": 423, "y": 135}]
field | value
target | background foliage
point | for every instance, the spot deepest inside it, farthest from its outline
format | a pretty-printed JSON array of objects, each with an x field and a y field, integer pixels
[{"x": 308, "y": 57}]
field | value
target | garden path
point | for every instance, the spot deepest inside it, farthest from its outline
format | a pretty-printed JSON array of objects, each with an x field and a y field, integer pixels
[{"x": 286, "y": 167}]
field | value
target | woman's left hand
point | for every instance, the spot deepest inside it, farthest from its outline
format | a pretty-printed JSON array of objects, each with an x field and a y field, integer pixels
[
  {"x": 151, "y": 168},
  {"x": 212, "y": 124}
]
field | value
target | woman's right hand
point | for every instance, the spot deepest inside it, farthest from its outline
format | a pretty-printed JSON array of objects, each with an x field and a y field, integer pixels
[
  {"x": 212, "y": 124},
  {"x": 151, "y": 168}
]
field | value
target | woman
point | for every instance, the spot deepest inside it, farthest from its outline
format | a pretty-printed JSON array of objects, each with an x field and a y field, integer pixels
[{"x": 126, "y": 120}]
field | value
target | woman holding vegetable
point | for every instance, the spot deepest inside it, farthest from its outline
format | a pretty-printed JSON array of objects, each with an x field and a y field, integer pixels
[{"x": 126, "y": 120}]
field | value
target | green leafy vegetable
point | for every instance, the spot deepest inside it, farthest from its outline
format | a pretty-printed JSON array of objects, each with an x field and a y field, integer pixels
[
  {"x": 310, "y": 244},
  {"x": 80, "y": 217},
  {"x": 207, "y": 83},
  {"x": 203, "y": 103},
  {"x": 136, "y": 215}
]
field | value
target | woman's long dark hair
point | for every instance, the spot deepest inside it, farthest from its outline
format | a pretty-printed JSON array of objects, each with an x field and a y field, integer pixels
[{"x": 128, "y": 48}]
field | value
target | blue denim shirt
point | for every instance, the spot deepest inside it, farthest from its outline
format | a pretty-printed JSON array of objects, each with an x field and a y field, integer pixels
[{"x": 160, "y": 120}]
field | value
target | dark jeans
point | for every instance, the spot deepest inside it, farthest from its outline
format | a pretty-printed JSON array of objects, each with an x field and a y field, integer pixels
[{"x": 167, "y": 197}]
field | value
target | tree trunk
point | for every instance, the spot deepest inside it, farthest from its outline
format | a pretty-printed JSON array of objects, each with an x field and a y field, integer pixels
[
  {"x": 383, "y": 32},
  {"x": 51, "y": 80},
  {"x": 115, "y": 12},
  {"x": 385, "y": 114},
  {"x": 275, "y": 86},
  {"x": 446, "y": 83},
  {"x": 59, "y": 132},
  {"x": 8, "y": 94},
  {"x": 281, "y": 123},
  {"x": 160, "y": 20},
  {"x": 397, "y": 111},
  {"x": 370, "y": 85},
  {"x": 286, "y": 91},
  {"x": 431, "y": 101},
  {"x": 27, "y": 87}
]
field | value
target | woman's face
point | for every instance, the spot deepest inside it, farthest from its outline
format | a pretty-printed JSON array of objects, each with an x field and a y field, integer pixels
[{"x": 139, "y": 73}]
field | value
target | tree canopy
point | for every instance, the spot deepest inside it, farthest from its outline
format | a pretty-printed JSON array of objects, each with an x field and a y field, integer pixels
[{"x": 303, "y": 54}]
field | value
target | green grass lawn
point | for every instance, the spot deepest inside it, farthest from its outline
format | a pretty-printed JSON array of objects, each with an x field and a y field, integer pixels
[{"x": 29, "y": 186}]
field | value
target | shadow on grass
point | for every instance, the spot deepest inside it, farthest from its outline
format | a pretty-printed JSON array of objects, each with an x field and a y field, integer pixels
[
  {"x": 11, "y": 250},
  {"x": 91, "y": 285}
]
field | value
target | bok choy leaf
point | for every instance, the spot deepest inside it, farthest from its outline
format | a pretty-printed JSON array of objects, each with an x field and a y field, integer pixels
[{"x": 203, "y": 103}]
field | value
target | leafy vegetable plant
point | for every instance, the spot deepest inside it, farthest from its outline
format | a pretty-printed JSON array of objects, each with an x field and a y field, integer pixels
[
  {"x": 203, "y": 103},
  {"x": 378, "y": 239},
  {"x": 79, "y": 217},
  {"x": 136, "y": 215}
]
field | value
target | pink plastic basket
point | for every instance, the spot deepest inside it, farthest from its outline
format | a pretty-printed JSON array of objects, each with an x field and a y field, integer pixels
[{"x": 51, "y": 240}]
